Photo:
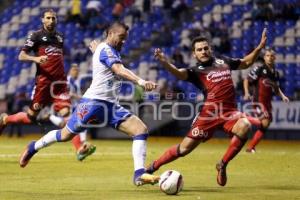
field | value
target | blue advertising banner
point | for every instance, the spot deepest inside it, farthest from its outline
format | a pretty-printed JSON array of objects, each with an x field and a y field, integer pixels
[{"x": 286, "y": 116}]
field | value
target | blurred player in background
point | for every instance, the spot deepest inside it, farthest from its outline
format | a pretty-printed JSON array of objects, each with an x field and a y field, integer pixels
[
  {"x": 213, "y": 76},
  {"x": 100, "y": 105},
  {"x": 264, "y": 81},
  {"x": 79, "y": 141},
  {"x": 50, "y": 82}
]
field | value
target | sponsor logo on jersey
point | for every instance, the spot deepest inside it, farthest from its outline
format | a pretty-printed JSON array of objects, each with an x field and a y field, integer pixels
[
  {"x": 44, "y": 38},
  {"x": 268, "y": 83},
  {"x": 51, "y": 50},
  {"x": 217, "y": 76},
  {"x": 29, "y": 43},
  {"x": 37, "y": 106},
  {"x": 200, "y": 67},
  {"x": 197, "y": 132},
  {"x": 109, "y": 83},
  {"x": 220, "y": 62},
  {"x": 109, "y": 53}
]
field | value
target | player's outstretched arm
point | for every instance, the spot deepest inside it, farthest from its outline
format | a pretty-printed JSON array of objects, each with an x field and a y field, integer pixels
[
  {"x": 282, "y": 95},
  {"x": 23, "y": 56},
  {"x": 181, "y": 74},
  {"x": 121, "y": 71},
  {"x": 248, "y": 60},
  {"x": 247, "y": 95}
]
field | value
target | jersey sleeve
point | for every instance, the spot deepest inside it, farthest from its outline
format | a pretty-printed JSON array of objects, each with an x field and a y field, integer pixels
[
  {"x": 233, "y": 63},
  {"x": 108, "y": 56},
  {"x": 254, "y": 74},
  {"x": 30, "y": 43},
  {"x": 191, "y": 76}
]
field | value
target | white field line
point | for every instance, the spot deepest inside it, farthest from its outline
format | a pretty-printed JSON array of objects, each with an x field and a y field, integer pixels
[{"x": 273, "y": 153}]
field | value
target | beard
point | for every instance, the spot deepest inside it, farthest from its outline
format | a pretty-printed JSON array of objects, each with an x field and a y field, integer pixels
[
  {"x": 119, "y": 47},
  {"x": 50, "y": 28}
]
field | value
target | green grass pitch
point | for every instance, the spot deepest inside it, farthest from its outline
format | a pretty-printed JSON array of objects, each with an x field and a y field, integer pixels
[{"x": 54, "y": 173}]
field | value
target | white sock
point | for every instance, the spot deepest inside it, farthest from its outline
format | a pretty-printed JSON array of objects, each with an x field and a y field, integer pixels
[
  {"x": 57, "y": 121},
  {"x": 46, "y": 140},
  {"x": 82, "y": 136},
  {"x": 139, "y": 153}
]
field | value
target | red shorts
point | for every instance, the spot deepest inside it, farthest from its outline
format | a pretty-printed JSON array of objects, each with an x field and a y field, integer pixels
[
  {"x": 48, "y": 92},
  {"x": 206, "y": 123}
]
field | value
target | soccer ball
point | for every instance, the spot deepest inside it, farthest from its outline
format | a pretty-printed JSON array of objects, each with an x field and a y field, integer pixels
[{"x": 171, "y": 182}]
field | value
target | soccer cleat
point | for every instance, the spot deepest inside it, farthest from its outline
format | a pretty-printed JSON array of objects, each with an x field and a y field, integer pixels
[
  {"x": 85, "y": 150},
  {"x": 251, "y": 151},
  {"x": 141, "y": 178},
  {"x": 2, "y": 123},
  {"x": 221, "y": 177},
  {"x": 27, "y": 154},
  {"x": 150, "y": 168}
]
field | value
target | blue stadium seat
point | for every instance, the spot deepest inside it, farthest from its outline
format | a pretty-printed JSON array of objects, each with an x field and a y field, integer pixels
[
  {"x": 34, "y": 3},
  {"x": 133, "y": 65},
  {"x": 163, "y": 74},
  {"x": 279, "y": 49}
]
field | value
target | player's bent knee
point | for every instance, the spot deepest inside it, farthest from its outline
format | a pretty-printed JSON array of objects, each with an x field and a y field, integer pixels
[
  {"x": 245, "y": 124},
  {"x": 66, "y": 135},
  {"x": 32, "y": 112},
  {"x": 133, "y": 126},
  {"x": 139, "y": 127},
  {"x": 140, "y": 130},
  {"x": 265, "y": 123},
  {"x": 183, "y": 151},
  {"x": 242, "y": 128},
  {"x": 64, "y": 112}
]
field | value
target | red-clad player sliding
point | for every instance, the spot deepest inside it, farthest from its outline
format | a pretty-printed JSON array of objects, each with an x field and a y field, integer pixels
[
  {"x": 50, "y": 82},
  {"x": 213, "y": 76},
  {"x": 264, "y": 82}
]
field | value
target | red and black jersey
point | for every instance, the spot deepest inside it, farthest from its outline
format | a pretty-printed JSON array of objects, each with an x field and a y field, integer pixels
[
  {"x": 214, "y": 78},
  {"x": 42, "y": 42},
  {"x": 264, "y": 82}
]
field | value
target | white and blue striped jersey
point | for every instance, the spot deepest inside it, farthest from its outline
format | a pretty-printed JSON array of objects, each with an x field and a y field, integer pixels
[{"x": 105, "y": 84}]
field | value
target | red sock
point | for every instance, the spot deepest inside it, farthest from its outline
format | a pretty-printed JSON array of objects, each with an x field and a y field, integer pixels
[
  {"x": 76, "y": 142},
  {"x": 254, "y": 121},
  {"x": 169, "y": 155},
  {"x": 20, "y": 117},
  {"x": 234, "y": 148},
  {"x": 256, "y": 138}
]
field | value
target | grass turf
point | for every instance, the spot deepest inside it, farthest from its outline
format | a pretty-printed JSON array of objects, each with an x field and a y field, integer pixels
[{"x": 54, "y": 173}]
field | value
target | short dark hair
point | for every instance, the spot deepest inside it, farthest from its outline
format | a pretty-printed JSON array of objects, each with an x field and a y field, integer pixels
[
  {"x": 199, "y": 39},
  {"x": 270, "y": 49},
  {"x": 47, "y": 10},
  {"x": 116, "y": 24}
]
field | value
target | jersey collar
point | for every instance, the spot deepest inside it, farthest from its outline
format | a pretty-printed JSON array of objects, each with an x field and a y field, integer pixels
[{"x": 207, "y": 63}]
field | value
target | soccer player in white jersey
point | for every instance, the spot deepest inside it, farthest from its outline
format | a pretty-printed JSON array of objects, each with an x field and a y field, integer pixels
[{"x": 100, "y": 105}]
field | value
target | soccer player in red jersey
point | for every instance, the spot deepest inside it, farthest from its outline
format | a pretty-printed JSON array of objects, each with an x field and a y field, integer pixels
[
  {"x": 50, "y": 82},
  {"x": 263, "y": 81},
  {"x": 213, "y": 76}
]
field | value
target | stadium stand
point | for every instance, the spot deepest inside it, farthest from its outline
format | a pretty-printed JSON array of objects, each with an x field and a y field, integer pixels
[{"x": 228, "y": 21}]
